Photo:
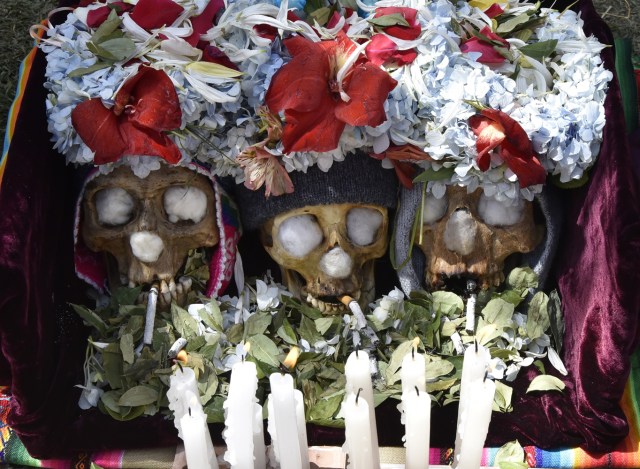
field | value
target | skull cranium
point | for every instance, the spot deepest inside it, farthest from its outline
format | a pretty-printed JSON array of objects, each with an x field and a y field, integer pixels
[
  {"x": 471, "y": 235},
  {"x": 148, "y": 225},
  {"x": 328, "y": 251}
]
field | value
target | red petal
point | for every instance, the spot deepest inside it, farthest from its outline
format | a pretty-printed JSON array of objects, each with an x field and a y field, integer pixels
[
  {"x": 156, "y": 104},
  {"x": 527, "y": 167},
  {"x": 98, "y": 128},
  {"x": 401, "y": 32},
  {"x": 312, "y": 131},
  {"x": 215, "y": 55},
  {"x": 405, "y": 172},
  {"x": 490, "y": 134},
  {"x": 147, "y": 142},
  {"x": 380, "y": 49},
  {"x": 488, "y": 55},
  {"x": 368, "y": 89},
  {"x": 494, "y": 10},
  {"x": 152, "y": 14},
  {"x": 486, "y": 31},
  {"x": 301, "y": 84},
  {"x": 204, "y": 21},
  {"x": 98, "y": 16}
]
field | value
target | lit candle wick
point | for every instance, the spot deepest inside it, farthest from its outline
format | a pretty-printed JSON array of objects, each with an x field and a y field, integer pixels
[
  {"x": 292, "y": 358},
  {"x": 417, "y": 391}
]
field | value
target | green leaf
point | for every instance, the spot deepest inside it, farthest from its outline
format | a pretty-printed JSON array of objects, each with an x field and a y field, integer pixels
[
  {"x": 214, "y": 410},
  {"x": 126, "y": 347},
  {"x": 323, "y": 324},
  {"x": 545, "y": 383},
  {"x": 211, "y": 316},
  {"x": 326, "y": 408},
  {"x": 264, "y": 350},
  {"x": 120, "y": 48},
  {"x": 112, "y": 364},
  {"x": 522, "y": 278},
  {"x": 433, "y": 175},
  {"x": 108, "y": 27},
  {"x": 502, "y": 398},
  {"x": 78, "y": 72},
  {"x": 286, "y": 333},
  {"x": 389, "y": 20},
  {"x": 256, "y": 324},
  {"x": 139, "y": 395},
  {"x": 395, "y": 362},
  {"x": 487, "y": 333},
  {"x": 447, "y": 303},
  {"x": 235, "y": 333},
  {"x": 512, "y": 23},
  {"x": 125, "y": 296},
  {"x": 556, "y": 319},
  {"x": 541, "y": 49},
  {"x": 91, "y": 318},
  {"x": 437, "y": 367},
  {"x": 537, "y": 316},
  {"x": 308, "y": 331},
  {"x": 511, "y": 454},
  {"x": 321, "y": 15},
  {"x": 441, "y": 385},
  {"x": 186, "y": 326},
  {"x": 510, "y": 296},
  {"x": 498, "y": 312}
]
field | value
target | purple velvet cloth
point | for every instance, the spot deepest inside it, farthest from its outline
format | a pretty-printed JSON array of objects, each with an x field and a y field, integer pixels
[{"x": 43, "y": 342}]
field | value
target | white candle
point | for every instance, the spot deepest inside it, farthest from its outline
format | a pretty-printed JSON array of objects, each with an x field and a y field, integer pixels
[
  {"x": 362, "y": 452},
  {"x": 357, "y": 371},
  {"x": 412, "y": 373},
  {"x": 182, "y": 386},
  {"x": 417, "y": 420},
  {"x": 474, "y": 367},
  {"x": 259, "y": 450},
  {"x": 475, "y": 424},
  {"x": 240, "y": 416},
  {"x": 283, "y": 422},
  {"x": 302, "y": 427},
  {"x": 198, "y": 448}
]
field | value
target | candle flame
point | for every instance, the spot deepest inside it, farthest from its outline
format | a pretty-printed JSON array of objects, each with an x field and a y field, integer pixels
[
  {"x": 345, "y": 300},
  {"x": 292, "y": 357},
  {"x": 415, "y": 342},
  {"x": 247, "y": 347}
]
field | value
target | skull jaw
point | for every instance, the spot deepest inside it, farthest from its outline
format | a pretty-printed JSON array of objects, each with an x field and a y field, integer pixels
[{"x": 324, "y": 293}]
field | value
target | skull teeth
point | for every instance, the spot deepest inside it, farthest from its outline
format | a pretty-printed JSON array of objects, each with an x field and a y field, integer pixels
[
  {"x": 170, "y": 291},
  {"x": 330, "y": 308}
]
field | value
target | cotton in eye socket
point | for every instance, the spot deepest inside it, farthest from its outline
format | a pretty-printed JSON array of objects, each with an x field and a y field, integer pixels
[
  {"x": 496, "y": 213},
  {"x": 185, "y": 203},
  {"x": 434, "y": 209},
  {"x": 363, "y": 225},
  {"x": 114, "y": 206},
  {"x": 299, "y": 235}
]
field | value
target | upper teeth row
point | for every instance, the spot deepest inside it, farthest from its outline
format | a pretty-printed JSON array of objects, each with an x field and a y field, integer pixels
[
  {"x": 169, "y": 291},
  {"x": 326, "y": 307}
]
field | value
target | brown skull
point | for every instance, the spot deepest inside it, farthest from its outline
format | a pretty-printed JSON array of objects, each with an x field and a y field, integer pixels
[
  {"x": 144, "y": 223},
  {"x": 471, "y": 235},
  {"x": 332, "y": 256}
]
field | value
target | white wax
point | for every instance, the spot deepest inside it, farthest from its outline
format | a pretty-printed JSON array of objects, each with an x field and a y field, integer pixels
[
  {"x": 417, "y": 420},
  {"x": 474, "y": 367},
  {"x": 475, "y": 424},
  {"x": 259, "y": 450},
  {"x": 182, "y": 386},
  {"x": 197, "y": 440},
  {"x": 362, "y": 452},
  {"x": 412, "y": 373},
  {"x": 284, "y": 429},
  {"x": 358, "y": 374},
  {"x": 240, "y": 415},
  {"x": 302, "y": 427}
]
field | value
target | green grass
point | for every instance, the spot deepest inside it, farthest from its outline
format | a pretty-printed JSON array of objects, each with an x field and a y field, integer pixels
[{"x": 16, "y": 16}]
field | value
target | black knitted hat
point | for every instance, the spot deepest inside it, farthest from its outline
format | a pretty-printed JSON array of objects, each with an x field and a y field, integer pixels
[{"x": 357, "y": 179}]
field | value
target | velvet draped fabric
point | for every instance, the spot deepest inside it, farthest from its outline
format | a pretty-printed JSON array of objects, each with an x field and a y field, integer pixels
[{"x": 43, "y": 342}]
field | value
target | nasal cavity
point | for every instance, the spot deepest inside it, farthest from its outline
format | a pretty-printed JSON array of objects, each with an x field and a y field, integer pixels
[
  {"x": 146, "y": 246},
  {"x": 460, "y": 232},
  {"x": 336, "y": 263}
]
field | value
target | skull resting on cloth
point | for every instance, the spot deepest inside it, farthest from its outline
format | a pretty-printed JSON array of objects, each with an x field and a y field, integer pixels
[
  {"x": 328, "y": 251},
  {"x": 149, "y": 225},
  {"x": 469, "y": 236}
]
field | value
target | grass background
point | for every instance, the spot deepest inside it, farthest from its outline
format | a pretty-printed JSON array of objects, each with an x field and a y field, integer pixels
[{"x": 16, "y": 16}]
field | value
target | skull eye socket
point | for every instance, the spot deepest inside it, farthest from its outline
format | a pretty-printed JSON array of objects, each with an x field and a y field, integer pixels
[
  {"x": 363, "y": 225},
  {"x": 496, "y": 213},
  {"x": 185, "y": 204},
  {"x": 299, "y": 235},
  {"x": 114, "y": 206},
  {"x": 434, "y": 209}
]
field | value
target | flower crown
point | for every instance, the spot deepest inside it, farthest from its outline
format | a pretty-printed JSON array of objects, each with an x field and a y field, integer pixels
[{"x": 488, "y": 93}]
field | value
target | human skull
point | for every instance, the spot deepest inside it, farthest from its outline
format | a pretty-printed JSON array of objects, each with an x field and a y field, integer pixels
[
  {"x": 149, "y": 225},
  {"x": 469, "y": 236},
  {"x": 328, "y": 251}
]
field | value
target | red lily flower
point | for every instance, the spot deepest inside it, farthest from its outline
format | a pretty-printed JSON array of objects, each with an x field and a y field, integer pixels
[
  {"x": 306, "y": 89},
  {"x": 146, "y": 105},
  {"x": 497, "y": 130},
  {"x": 153, "y": 14},
  {"x": 486, "y": 47},
  {"x": 401, "y": 158},
  {"x": 382, "y": 50},
  {"x": 407, "y": 33}
]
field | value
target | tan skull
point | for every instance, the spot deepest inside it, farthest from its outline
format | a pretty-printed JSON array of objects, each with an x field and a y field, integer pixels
[
  {"x": 328, "y": 251},
  {"x": 471, "y": 235},
  {"x": 149, "y": 225}
]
